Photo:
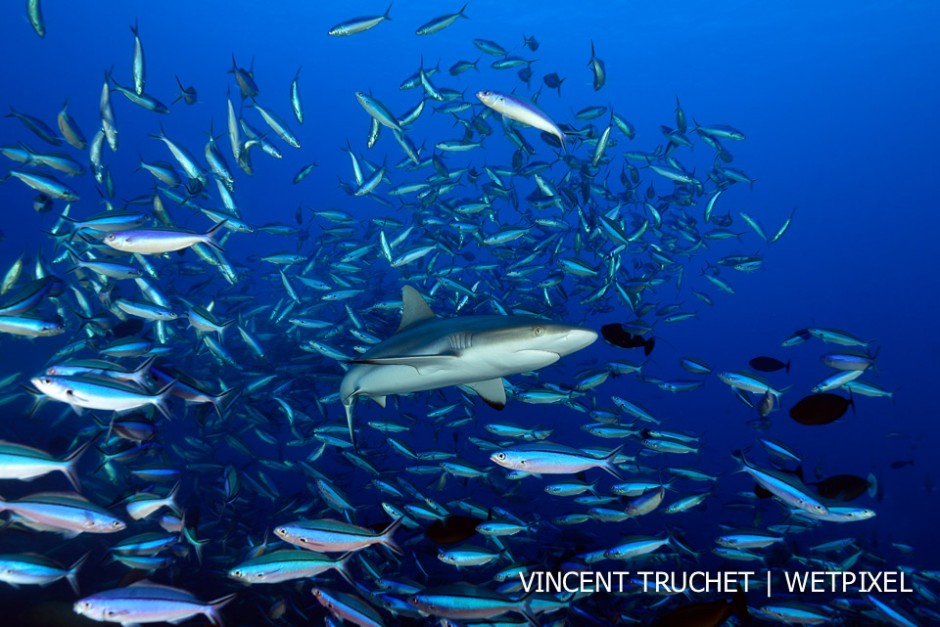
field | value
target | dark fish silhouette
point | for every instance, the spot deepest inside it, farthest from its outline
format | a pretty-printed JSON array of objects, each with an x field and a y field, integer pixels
[
  {"x": 525, "y": 75},
  {"x": 768, "y": 364},
  {"x": 842, "y": 487},
  {"x": 452, "y": 530},
  {"x": 129, "y": 327},
  {"x": 707, "y": 613},
  {"x": 820, "y": 409},
  {"x": 530, "y": 42},
  {"x": 553, "y": 81},
  {"x": 619, "y": 336},
  {"x": 901, "y": 463},
  {"x": 187, "y": 94},
  {"x": 42, "y": 203}
]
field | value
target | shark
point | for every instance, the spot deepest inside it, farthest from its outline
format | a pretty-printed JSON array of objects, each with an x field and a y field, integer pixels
[{"x": 428, "y": 352}]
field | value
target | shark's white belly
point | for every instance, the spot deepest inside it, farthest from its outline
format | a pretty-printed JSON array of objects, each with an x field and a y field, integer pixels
[{"x": 471, "y": 367}]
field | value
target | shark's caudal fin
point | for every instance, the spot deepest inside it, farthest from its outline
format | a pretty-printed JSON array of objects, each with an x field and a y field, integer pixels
[{"x": 413, "y": 308}]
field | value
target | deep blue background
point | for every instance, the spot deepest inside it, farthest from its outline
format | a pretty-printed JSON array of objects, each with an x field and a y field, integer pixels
[{"x": 838, "y": 101}]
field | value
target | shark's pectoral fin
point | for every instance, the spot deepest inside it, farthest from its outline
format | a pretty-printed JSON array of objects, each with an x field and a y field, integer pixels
[
  {"x": 349, "y": 420},
  {"x": 492, "y": 392},
  {"x": 424, "y": 364},
  {"x": 380, "y": 400}
]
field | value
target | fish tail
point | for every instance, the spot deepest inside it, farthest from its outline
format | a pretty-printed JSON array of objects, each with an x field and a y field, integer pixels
[
  {"x": 387, "y": 540},
  {"x": 788, "y": 366},
  {"x": 70, "y": 462},
  {"x": 739, "y": 604},
  {"x": 72, "y": 576},
  {"x": 212, "y": 609},
  {"x": 160, "y": 135},
  {"x": 526, "y": 610},
  {"x": 224, "y": 326},
  {"x": 171, "y": 498},
  {"x": 135, "y": 27},
  {"x": 225, "y": 398},
  {"x": 608, "y": 464},
  {"x": 386, "y": 14},
  {"x": 342, "y": 567},
  {"x": 462, "y": 9},
  {"x": 161, "y": 397},
  {"x": 209, "y": 239},
  {"x": 142, "y": 371}
]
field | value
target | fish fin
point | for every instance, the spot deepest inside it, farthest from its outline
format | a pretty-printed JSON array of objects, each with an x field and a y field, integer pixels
[
  {"x": 609, "y": 462},
  {"x": 71, "y": 461},
  {"x": 342, "y": 567},
  {"x": 380, "y": 400},
  {"x": 413, "y": 308},
  {"x": 211, "y": 232},
  {"x": 349, "y": 421},
  {"x": 739, "y": 605},
  {"x": 387, "y": 540},
  {"x": 212, "y": 612},
  {"x": 72, "y": 575},
  {"x": 492, "y": 391},
  {"x": 161, "y": 397},
  {"x": 223, "y": 401}
]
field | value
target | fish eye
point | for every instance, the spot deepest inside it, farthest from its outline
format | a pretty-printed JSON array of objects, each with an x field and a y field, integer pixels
[
  {"x": 302, "y": 540},
  {"x": 116, "y": 524},
  {"x": 501, "y": 456},
  {"x": 236, "y": 573},
  {"x": 537, "y": 331},
  {"x": 259, "y": 576}
]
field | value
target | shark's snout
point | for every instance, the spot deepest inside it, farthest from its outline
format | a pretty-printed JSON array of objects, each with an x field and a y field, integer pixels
[{"x": 578, "y": 338}]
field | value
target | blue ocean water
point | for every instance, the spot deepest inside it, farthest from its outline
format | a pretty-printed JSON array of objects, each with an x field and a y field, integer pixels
[{"x": 838, "y": 104}]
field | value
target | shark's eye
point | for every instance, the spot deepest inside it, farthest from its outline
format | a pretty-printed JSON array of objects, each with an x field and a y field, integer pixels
[{"x": 538, "y": 331}]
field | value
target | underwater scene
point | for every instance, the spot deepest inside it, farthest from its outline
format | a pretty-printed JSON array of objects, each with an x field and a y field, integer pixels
[{"x": 484, "y": 313}]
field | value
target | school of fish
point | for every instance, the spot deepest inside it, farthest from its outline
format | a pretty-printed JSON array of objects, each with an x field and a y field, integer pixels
[{"x": 247, "y": 438}]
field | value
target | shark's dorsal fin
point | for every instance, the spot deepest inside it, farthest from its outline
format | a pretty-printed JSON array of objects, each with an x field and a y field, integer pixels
[{"x": 413, "y": 308}]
